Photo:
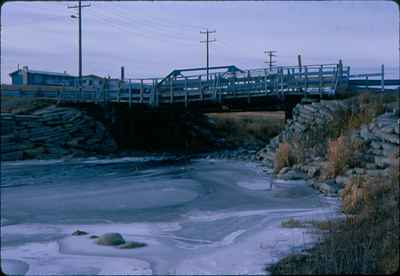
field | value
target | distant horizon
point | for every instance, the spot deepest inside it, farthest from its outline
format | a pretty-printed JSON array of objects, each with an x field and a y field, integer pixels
[{"x": 161, "y": 36}]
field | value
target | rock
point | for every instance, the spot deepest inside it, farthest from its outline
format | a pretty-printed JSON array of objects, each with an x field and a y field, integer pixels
[
  {"x": 11, "y": 156},
  {"x": 382, "y": 162},
  {"x": 353, "y": 171},
  {"x": 291, "y": 175},
  {"x": 10, "y": 138},
  {"x": 57, "y": 151},
  {"x": 389, "y": 149},
  {"x": 130, "y": 245},
  {"x": 284, "y": 170},
  {"x": 79, "y": 233},
  {"x": 10, "y": 147},
  {"x": 93, "y": 236},
  {"x": 365, "y": 133},
  {"x": 375, "y": 172},
  {"x": 311, "y": 171},
  {"x": 35, "y": 152},
  {"x": 341, "y": 180},
  {"x": 376, "y": 144},
  {"x": 76, "y": 142},
  {"x": 389, "y": 137},
  {"x": 329, "y": 187},
  {"x": 110, "y": 239}
]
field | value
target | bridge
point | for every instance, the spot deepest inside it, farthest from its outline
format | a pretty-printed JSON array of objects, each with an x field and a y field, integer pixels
[{"x": 188, "y": 88}]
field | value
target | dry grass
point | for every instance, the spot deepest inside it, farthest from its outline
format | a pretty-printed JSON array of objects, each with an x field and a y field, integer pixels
[
  {"x": 342, "y": 153},
  {"x": 366, "y": 242},
  {"x": 289, "y": 154},
  {"x": 283, "y": 157},
  {"x": 240, "y": 128},
  {"x": 365, "y": 108},
  {"x": 293, "y": 223},
  {"x": 338, "y": 156},
  {"x": 353, "y": 194}
]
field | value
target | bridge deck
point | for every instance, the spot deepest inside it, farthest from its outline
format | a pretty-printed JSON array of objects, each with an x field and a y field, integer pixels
[{"x": 234, "y": 84}]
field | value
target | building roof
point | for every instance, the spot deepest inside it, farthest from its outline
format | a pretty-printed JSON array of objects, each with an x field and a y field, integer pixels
[
  {"x": 43, "y": 73},
  {"x": 92, "y": 76}
]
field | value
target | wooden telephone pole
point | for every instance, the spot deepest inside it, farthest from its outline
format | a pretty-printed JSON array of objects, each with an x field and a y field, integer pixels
[
  {"x": 270, "y": 55},
  {"x": 79, "y": 16},
  {"x": 207, "y": 41}
]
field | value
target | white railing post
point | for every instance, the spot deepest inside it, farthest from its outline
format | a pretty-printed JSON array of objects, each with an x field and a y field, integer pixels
[
  {"x": 306, "y": 77},
  {"x": 130, "y": 94},
  {"x": 156, "y": 93},
  {"x": 320, "y": 80},
  {"x": 340, "y": 70},
  {"x": 119, "y": 92},
  {"x": 265, "y": 81},
  {"x": 141, "y": 91},
  {"x": 248, "y": 86},
  {"x": 186, "y": 93},
  {"x": 382, "y": 77},
  {"x": 153, "y": 94},
  {"x": 348, "y": 74},
  {"x": 200, "y": 89},
  {"x": 171, "y": 91},
  {"x": 215, "y": 87},
  {"x": 294, "y": 80}
]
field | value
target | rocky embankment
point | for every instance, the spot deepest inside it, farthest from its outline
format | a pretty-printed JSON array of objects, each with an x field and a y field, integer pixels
[
  {"x": 53, "y": 132},
  {"x": 380, "y": 140}
]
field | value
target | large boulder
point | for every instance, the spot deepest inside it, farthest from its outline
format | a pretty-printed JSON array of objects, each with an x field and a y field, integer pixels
[{"x": 110, "y": 239}]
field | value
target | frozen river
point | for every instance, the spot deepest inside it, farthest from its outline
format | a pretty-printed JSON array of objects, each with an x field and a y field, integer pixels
[{"x": 200, "y": 217}]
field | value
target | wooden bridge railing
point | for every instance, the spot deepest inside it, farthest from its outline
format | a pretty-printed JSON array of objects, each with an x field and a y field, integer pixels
[{"x": 243, "y": 84}]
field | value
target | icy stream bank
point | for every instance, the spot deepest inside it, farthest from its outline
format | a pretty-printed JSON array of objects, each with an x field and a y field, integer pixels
[{"x": 201, "y": 217}]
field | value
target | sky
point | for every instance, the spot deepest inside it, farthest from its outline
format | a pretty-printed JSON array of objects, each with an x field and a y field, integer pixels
[{"x": 150, "y": 39}]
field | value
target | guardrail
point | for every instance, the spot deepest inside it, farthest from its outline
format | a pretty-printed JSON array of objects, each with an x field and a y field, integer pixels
[
  {"x": 366, "y": 80},
  {"x": 214, "y": 87}
]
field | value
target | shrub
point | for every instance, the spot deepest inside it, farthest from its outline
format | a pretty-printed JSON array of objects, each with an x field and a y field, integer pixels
[
  {"x": 240, "y": 128},
  {"x": 352, "y": 195},
  {"x": 364, "y": 109},
  {"x": 343, "y": 152},
  {"x": 283, "y": 157},
  {"x": 338, "y": 156},
  {"x": 366, "y": 242}
]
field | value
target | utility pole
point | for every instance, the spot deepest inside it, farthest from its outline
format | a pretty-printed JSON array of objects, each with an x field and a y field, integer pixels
[
  {"x": 207, "y": 41},
  {"x": 79, "y": 7},
  {"x": 299, "y": 62},
  {"x": 270, "y": 54}
]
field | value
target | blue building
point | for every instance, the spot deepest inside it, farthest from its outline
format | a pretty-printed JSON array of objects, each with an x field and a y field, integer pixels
[
  {"x": 34, "y": 77},
  {"x": 25, "y": 76}
]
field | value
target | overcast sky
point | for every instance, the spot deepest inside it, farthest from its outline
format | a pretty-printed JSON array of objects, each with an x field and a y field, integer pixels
[{"x": 152, "y": 38}]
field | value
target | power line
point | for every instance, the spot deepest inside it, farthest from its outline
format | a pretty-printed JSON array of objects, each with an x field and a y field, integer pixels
[
  {"x": 121, "y": 24},
  {"x": 157, "y": 21},
  {"x": 207, "y": 41},
  {"x": 269, "y": 61},
  {"x": 79, "y": 16}
]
